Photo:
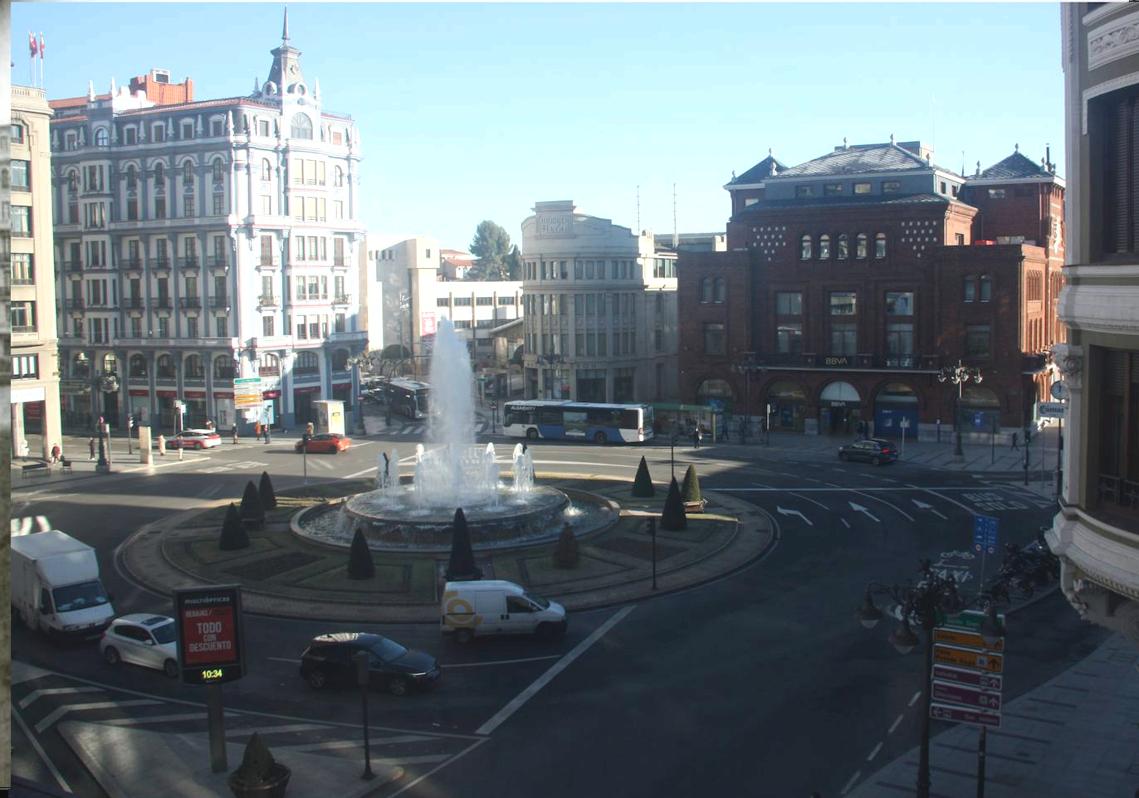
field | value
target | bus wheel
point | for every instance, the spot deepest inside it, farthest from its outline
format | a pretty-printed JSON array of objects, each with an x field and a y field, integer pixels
[
  {"x": 599, "y": 437},
  {"x": 532, "y": 434}
]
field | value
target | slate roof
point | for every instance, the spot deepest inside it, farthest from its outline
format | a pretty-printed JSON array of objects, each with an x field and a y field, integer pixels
[
  {"x": 861, "y": 159},
  {"x": 1014, "y": 167},
  {"x": 760, "y": 172},
  {"x": 847, "y": 201}
]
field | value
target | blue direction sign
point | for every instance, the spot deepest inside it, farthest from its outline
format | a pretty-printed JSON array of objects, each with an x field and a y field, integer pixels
[{"x": 985, "y": 533}]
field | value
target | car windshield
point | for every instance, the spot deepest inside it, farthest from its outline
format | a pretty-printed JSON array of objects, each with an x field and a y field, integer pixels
[
  {"x": 77, "y": 597},
  {"x": 163, "y": 633},
  {"x": 538, "y": 600},
  {"x": 388, "y": 650}
]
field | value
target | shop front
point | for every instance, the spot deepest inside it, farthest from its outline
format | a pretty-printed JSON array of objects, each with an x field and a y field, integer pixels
[
  {"x": 223, "y": 409},
  {"x": 840, "y": 409},
  {"x": 978, "y": 413},
  {"x": 303, "y": 411},
  {"x": 138, "y": 404},
  {"x": 895, "y": 410},
  {"x": 167, "y": 416},
  {"x": 196, "y": 415},
  {"x": 787, "y": 406}
]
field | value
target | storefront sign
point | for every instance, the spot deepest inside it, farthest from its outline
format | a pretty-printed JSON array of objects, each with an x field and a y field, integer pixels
[
  {"x": 166, "y": 394},
  {"x": 246, "y": 392},
  {"x": 139, "y": 392},
  {"x": 836, "y": 361},
  {"x": 270, "y": 394},
  {"x": 307, "y": 389},
  {"x": 222, "y": 395},
  {"x": 194, "y": 394}
]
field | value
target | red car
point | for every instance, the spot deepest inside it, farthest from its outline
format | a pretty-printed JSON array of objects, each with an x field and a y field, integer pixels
[
  {"x": 194, "y": 439},
  {"x": 327, "y": 442}
]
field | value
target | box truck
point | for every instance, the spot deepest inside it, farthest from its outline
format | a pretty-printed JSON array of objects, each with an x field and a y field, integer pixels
[{"x": 56, "y": 586}]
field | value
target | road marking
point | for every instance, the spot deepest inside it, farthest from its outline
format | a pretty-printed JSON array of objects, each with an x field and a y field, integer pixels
[
  {"x": 858, "y": 508},
  {"x": 914, "y": 700},
  {"x": 894, "y": 725},
  {"x": 331, "y": 745},
  {"x": 155, "y": 719},
  {"x": 284, "y": 659},
  {"x": 812, "y": 501},
  {"x": 32, "y": 696},
  {"x": 845, "y": 522},
  {"x": 498, "y": 662},
  {"x": 248, "y": 731},
  {"x": 891, "y": 505},
  {"x": 924, "y": 506},
  {"x": 785, "y": 511},
  {"x": 59, "y": 712},
  {"x": 358, "y": 474},
  {"x": 519, "y": 700},
  {"x": 43, "y": 754},
  {"x": 853, "y": 779},
  {"x": 874, "y": 753}
]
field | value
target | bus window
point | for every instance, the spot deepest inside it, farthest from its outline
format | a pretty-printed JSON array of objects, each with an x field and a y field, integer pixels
[
  {"x": 518, "y": 415},
  {"x": 550, "y": 415},
  {"x": 630, "y": 419}
]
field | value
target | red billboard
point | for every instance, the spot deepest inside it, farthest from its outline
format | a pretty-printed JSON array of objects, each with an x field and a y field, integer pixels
[{"x": 209, "y": 634}]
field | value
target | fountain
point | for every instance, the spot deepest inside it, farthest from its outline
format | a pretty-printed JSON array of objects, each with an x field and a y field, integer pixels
[{"x": 453, "y": 471}]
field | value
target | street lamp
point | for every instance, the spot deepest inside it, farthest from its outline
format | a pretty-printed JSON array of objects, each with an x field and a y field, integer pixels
[
  {"x": 958, "y": 375},
  {"x": 747, "y": 367},
  {"x": 362, "y": 365}
]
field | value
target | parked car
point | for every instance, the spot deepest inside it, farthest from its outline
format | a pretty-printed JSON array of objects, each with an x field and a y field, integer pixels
[
  {"x": 194, "y": 439},
  {"x": 872, "y": 450},
  {"x": 326, "y": 442},
  {"x": 142, "y": 639},
  {"x": 327, "y": 661}
]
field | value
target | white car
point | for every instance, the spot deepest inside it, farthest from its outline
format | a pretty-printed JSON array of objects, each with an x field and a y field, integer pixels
[
  {"x": 142, "y": 639},
  {"x": 194, "y": 439}
]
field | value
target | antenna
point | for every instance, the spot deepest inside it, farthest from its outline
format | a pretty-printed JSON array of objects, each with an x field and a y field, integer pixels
[{"x": 675, "y": 229}]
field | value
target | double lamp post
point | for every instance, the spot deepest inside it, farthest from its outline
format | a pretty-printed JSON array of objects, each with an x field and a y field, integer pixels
[{"x": 958, "y": 375}]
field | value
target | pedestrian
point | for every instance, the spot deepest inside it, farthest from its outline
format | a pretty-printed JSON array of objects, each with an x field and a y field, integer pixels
[
  {"x": 91, "y": 449},
  {"x": 161, "y": 444},
  {"x": 55, "y": 453},
  {"x": 257, "y": 429},
  {"x": 234, "y": 433},
  {"x": 1015, "y": 445},
  {"x": 310, "y": 429},
  {"x": 697, "y": 434},
  {"x": 266, "y": 434}
]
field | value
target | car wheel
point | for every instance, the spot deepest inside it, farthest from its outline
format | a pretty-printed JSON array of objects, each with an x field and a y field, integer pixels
[
  {"x": 545, "y": 631},
  {"x": 316, "y": 679},
  {"x": 398, "y": 685},
  {"x": 877, "y": 460},
  {"x": 464, "y": 636},
  {"x": 111, "y": 655},
  {"x": 599, "y": 437},
  {"x": 532, "y": 434},
  {"x": 170, "y": 668}
]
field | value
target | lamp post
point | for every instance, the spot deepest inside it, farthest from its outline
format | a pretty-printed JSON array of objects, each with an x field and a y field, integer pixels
[
  {"x": 362, "y": 365},
  {"x": 958, "y": 375},
  {"x": 747, "y": 367}
]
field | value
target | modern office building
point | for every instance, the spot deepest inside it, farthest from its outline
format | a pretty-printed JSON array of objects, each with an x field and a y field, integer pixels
[
  {"x": 199, "y": 241},
  {"x": 599, "y": 309},
  {"x": 853, "y": 279},
  {"x": 34, "y": 354},
  {"x": 1096, "y": 532}
]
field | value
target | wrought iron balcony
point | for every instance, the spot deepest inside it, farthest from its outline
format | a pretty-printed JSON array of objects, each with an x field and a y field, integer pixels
[
  {"x": 160, "y": 264},
  {"x": 217, "y": 262},
  {"x": 135, "y": 302},
  {"x": 220, "y": 302},
  {"x": 190, "y": 262},
  {"x": 266, "y": 300},
  {"x": 161, "y": 303},
  {"x": 190, "y": 302}
]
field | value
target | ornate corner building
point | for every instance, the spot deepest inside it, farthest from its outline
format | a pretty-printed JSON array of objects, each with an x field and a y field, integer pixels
[
  {"x": 201, "y": 240},
  {"x": 852, "y": 280},
  {"x": 1096, "y": 532}
]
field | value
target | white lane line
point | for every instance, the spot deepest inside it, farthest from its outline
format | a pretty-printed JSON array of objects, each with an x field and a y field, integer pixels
[
  {"x": 43, "y": 754},
  {"x": 888, "y": 504},
  {"x": 284, "y": 659},
  {"x": 358, "y": 474},
  {"x": 964, "y": 507},
  {"x": 247, "y": 731},
  {"x": 812, "y": 501},
  {"x": 154, "y": 719},
  {"x": 851, "y": 783},
  {"x": 497, "y": 662},
  {"x": 519, "y": 700},
  {"x": 59, "y": 712},
  {"x": 845, "y": 523},
  {"x": 332, "y": 745},
  {"x": 894, "y": 725},
  {"x": 874, "y": 753},
  {"x": 914, "y": 700},
  {"x": 32, "y": 696}
]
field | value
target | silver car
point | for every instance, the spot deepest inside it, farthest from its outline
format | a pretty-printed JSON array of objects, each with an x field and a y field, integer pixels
[{"x": 142, "y": 639}]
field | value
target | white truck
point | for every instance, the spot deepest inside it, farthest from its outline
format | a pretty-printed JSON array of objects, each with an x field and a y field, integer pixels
[
  {"x": 497, "y": 607},
  {"x": 56, "y": 586}
]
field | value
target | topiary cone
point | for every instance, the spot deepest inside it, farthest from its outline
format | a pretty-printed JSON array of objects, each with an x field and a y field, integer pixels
[
  {"x": 673, "y": 517},
  {"x": 691, "y": 490},
  {"x": 643, "y": 483},
  {"x": 252, "y": 511},
  {"x": 233, "y": 535},
  {"x": 265, "y": 491},
  {"x": 360, "y": 565},
  {"x": 461, "y": 567}
]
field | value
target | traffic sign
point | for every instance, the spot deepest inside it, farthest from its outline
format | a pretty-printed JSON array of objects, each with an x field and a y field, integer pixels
[
  {"x": 948, "y": 673},
  {"x": 966, "y": 695},
  {"x": 969, "y": 620},
  {"x": 1052, "y": 409},
  {"x": 958, "y": 637},
  {"x": 1058, "y": 390},
  {"x": 978, "y": 717},
  {"x": 985, "y": 533},
  {"x": 968, "y": 658},
  {"x": 246, "y": 392}
]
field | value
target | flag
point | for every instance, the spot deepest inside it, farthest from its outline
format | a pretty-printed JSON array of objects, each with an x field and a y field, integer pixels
[
  {"x": 41, "y": 45},
  {"x": 32, "y": 44}
]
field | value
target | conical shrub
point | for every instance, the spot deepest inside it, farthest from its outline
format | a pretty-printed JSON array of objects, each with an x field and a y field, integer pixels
[
  {"x": 461, "y": 566},
  {"x": 691, "y": 490},
  {"x": 360, "y": 565},
  {"x": 233, "y": 535},
  {"x": 643, "y": 483},
  {"x": 673, "y": 517},
  {"x": 257, "y": 763},
  {"x": 265, "y": 491},
  {"x": 252, "y": 511},
  {"x": 565, "y": 554}
]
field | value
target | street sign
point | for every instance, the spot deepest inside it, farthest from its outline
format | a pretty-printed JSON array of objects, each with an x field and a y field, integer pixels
[
  {"x": 985, "y": 533},
  {"x": 969, "y": 620},
  {"x": 977, "y": 717},
  {"x": 209, "y": 634},
  {"x": 964, "y": 639},
  {"x": 1059, "y": 390},
  {"x": 967, "y": 658},
  {"x": 966, "y": 695},
  {"x": 246, "y": 392},
  {"x": 947, "y": 673},
  {"x": 1052, "y": 409}
]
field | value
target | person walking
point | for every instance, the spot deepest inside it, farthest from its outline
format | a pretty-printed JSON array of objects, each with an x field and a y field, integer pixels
[
  {"x": 266, "y": 434},
  {"x": 55, "y": 453},
  {"x": 161, "y": 445},
  {"x": 697, "y": 434},
  {"x": 234, "y": 433},
  {"x": 1015, "y": 443},
  {"x": 257, "y": 430},
  {"x": 91, "y": 449}
]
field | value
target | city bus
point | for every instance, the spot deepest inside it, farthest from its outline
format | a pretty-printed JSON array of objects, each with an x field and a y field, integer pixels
[
  {"x": 581, "y": 421},
  {"x": 407, "y": 397}
]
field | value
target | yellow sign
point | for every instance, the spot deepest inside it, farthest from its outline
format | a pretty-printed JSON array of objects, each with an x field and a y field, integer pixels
[
  {"x": 958, "y": 637},
  {"x": 459, "y": 611},
  {"x": 967, "y": 658}
]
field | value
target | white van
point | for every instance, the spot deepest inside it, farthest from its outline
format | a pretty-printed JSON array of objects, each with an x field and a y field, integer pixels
[
  {"x": 56, "y": 586},
  {"x": 498, "y": 607}
]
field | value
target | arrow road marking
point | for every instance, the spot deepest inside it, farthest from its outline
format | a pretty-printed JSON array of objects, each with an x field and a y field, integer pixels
[
  {"x": 785, "y": 511},
  {"x": 858, "y": 508},
  {"x": 924, "y": 506},
  {"x": 845, "y": 523}
]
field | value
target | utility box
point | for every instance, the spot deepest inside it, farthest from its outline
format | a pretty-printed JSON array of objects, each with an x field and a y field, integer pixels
[{"x": 329, "y": 415}]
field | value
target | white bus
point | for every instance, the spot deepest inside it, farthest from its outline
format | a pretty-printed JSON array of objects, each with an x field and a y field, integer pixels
[{"x": 580, "y": 421}]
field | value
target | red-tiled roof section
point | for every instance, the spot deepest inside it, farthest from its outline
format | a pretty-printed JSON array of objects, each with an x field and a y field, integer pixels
[
  {"x": 74, "y": 102},
  {"x": 164, "y": 93}
]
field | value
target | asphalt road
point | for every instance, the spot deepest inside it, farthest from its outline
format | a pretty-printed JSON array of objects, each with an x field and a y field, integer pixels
[{"x": 759, "y": 684}]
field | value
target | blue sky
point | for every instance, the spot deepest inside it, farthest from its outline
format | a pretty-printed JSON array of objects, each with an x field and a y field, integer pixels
[{"x": 471, "y": 112}]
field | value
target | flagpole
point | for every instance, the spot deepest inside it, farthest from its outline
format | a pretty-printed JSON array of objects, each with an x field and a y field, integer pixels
[{"x": 42, "y": 61}]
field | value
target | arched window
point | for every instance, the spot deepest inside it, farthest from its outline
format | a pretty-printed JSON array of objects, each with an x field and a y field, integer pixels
[
  {"x": 132, "y": 178},
  {"x": 110, "y": 363},
  {"x": 187, "y": 173},
  {"x": 721, "y": 290},
  {"x": 338, "y": 179},
  {"x": 194, "y": 370},
  {"x": 73, "y": 182},
  {"x": 223, "y": 367},
  {"x": 270, "y": 365},
  {"x": 805, "y": 248},
  {"x": 860, "y": 247},
  {"x": 159, "y": 177},
  {"x": 306, "y": 363},
  {"x": 340, "y": 360},
  {"x": 843, "y": 246},
  {"x": 164, "y": 367},
  {"x": 80, "y": 365},
  {"x": 301, "y": 126},
  {"x": 137, "y": 367},
  {"x": 217, "y": 171},
  {"x": 879, "y": 245},
  {"x": 706, "y": 290},
  {"x": 986, "y": 293},
  {"x": 824, "y": 247},
  {"x": 101, "y": 137},
  {"x": 266, "y": 169}
]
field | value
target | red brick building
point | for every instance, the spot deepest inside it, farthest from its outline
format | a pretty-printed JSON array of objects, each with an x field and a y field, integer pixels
[{"x": 853, "y": 278}]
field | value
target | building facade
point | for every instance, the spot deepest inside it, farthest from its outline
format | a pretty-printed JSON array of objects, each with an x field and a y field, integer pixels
[
  {"x": 1096, "y": 532},
  {"x": 199, "y": 241},
  {"x": 599, "y": 309},
  {"x": 852, "y": 279},
  {"x": 35, "y": 411}
]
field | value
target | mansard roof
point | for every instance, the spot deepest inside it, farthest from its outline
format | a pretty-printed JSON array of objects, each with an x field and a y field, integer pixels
[{"x": 863, "y": 159}]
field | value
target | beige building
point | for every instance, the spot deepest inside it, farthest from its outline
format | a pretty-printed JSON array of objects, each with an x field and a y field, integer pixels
[
  {"x": 34, "y": 344},
  {"x": 1096, "y": 532}
]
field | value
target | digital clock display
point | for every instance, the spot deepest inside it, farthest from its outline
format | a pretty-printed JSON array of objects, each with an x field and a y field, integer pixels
[{"x": 212, "y": 673}]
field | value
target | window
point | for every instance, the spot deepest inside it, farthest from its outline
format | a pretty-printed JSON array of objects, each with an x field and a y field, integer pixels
[
  {"x": 191, "y": 326},
  {"x": 217, "y": 127},
  {"x": 17, "y": 134},
  {"x": 721, "y": 291},
  {"x": 804, "y": 191},
  {"x": 805, "y": 248},
  {"x": 788, "y": 303},
  {"x": 463, "y": 301},
  {"x": 899, "y": 303},
  {"x": 338, "y": 177},
  {"x": 187, "y": 130},
  {"x": 267, "y": 325},
  {"x": 944, "y": 188},
  {"x": 101, "y": 137},
  {"x": 843, "y": 303},
  {"x": 891, "y": 186},
  {"x": 900, "y": 338},
  {"x": 158, "y": 132},
  {"x": 506, "y": 300},
  {"x": 833, "y": 189},
  {"x": 879, "y": 245},
  {"x": 26, "y": 367},
  {"x": 301, "y": 127},
  {"x": 23, "y": 272},
  {"x": 714, "y": 342},
  {"x": 860, "y": 248},
  {"x": 953, "y": 189},
  {"x": 481, "y": 300},
  {"x": 824, "y": 247},
  {"x": 977, "y": 341},
  {"x": 307, "y": 363},
  {"x": 844, "y": 338},
  {"x": 843, "y": 246},
  {"x": 262, "y": 127},
  {"x": 986, "y": 288},
  {"x": 266, "y": 170},
  {"x": 970, "y": 286},
  {"x": 959, "y": 239},
  {"x": 130, "y": 135},
  {"x": 218, "y": 204},
  {"x": 862, "y": 188},
  {"x": 706, "y": 290},
  {"x": 20, "y": 175},
  {"x": 996, "y": 193},
  {"x": 221, "y": 325},
  {"x": 193, "y": 367},
  {"x": 23, "y": 317},
  {"x": 789, "y": 338},
  {"x": 21, "y": 220}
]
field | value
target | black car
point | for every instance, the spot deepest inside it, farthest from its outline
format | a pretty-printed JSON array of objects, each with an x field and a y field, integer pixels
[
  {"x": 328, "y": 660},
  {"x": 872, "y": 450}
]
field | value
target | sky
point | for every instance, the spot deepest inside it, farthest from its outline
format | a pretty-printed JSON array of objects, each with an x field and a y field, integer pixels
[{"x": 476, "y": 111}]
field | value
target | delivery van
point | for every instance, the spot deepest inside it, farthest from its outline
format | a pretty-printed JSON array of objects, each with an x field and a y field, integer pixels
[
  {"x": 497, "y": 607},
  {"x": 56, "y": 586}
]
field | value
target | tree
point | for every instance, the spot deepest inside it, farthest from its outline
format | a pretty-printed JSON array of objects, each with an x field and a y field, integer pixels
[
  {"x": 265, "y": 492},
  {"x": 233, "y": 535},
  {"x": 252, "y": 512},
  {"x": 514, "y": 264},
  {"x": 673, "y": 517},
  {"x": 461, "y": 567},
  {"x": 643, "y": 484},
  {"x": 565, "y": 555},
  {"x": 491, "y": 245},
  {"x": 691, "y": 491},
  {"x": 360, "y": 565}
]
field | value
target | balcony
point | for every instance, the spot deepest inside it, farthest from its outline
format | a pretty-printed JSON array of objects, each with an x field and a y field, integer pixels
[
  {"x": 73, "y": 265},
  {"x": 900, "y": 362},
  {"x": 189, "y": 262},
  {"x": 220, "y": 303},
  {"x": 218, "y": 263},
  {"x": 188, "y": 302},
  {"x": 341, "y": 299},
  {"x": 97, "y": 266},
  {"x": 267, "y": 301},
  {"x": 131, "y": 264},
  {"x": 23, "y": 328},
  {"x": 133, "y": 303},
  {"x": 73, "y": 304},
  {"x": 339, "y": 263},
  {"x": 267, "y": 263},
  {"x": 161, "y": 303},
  {"x": 160, "y": 264},
  {"x": 269, "y": 371}
]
